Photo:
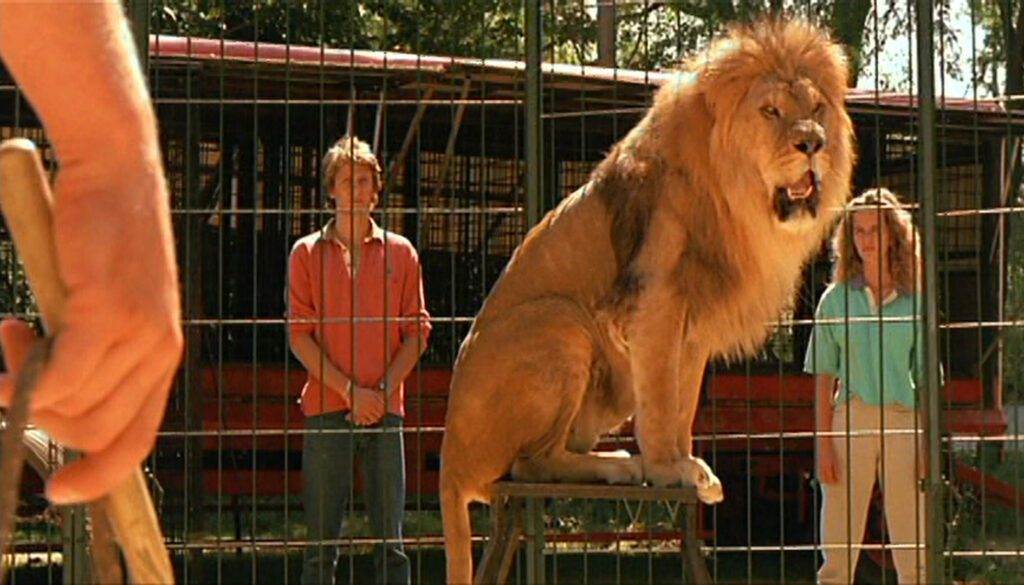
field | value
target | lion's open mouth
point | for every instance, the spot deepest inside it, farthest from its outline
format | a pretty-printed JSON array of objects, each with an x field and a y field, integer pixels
[{"x": 802, "y": 195}]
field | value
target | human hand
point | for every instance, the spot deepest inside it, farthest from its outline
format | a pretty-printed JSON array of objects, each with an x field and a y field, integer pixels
[
  {"x": 829, "y": 470},
  {"x": 105, "y": 387},
  {"x": 367, "y": 406}
]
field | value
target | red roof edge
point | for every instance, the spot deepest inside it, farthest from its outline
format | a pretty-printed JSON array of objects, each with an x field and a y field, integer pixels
[
  {"x": 216, "y": 49},
  {"x": 206, "y": 49}
]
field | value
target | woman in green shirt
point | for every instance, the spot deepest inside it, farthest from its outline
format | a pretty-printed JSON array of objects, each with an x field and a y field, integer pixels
[{"x": 866, "y": 351}]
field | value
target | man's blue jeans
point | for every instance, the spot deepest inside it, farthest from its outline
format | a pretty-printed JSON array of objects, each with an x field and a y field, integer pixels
[{"x": 328, "y": 471}]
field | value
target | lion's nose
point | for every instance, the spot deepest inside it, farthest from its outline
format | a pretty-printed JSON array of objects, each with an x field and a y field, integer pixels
[
  {"x": 809, "y": 137},
  {"x": 810, "y": 146}
]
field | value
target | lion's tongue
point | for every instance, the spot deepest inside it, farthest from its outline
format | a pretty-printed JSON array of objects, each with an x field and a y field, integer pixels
[{"x": 803, "y": 188}]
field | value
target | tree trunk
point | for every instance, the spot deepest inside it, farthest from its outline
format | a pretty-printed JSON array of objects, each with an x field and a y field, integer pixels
[{"x": 606, "y": 33}]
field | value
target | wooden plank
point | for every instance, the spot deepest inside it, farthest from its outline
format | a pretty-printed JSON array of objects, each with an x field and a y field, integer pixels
[
  {"x": 773, "y": 388},
  {"x": 991, "y": 489},
  {"x": 410, "y": 135},
  {"x": 588, "y": 491},
  {"x": 798, "y": 388}
]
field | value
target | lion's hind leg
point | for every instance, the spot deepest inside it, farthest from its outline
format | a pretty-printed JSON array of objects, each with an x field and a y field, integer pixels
[
  {"x": 562, "y": 466},
  {"x": 553, "y": 341}
]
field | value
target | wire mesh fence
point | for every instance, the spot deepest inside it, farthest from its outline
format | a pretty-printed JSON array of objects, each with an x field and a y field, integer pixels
[{"x": 250, "y": 97}]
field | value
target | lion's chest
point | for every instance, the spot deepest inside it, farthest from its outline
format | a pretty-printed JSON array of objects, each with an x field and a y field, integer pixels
[{"x": 738, "y": 317}]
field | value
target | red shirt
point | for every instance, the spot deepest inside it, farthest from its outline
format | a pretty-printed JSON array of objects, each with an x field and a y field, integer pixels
[{"x": 358, "y": 320}]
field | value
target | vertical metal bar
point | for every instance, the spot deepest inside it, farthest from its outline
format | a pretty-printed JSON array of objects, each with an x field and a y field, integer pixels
[
  {"x": 75, "y": 539},
  {"x": 534, "y": 125},
  {"x": 992, "y": 274},
  {"x": 193, "y": 251},
  {"x": 934, "y": 566}
]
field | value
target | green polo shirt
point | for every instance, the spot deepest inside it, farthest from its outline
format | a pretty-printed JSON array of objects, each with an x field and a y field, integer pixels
[{"x": 874, "y": 354}]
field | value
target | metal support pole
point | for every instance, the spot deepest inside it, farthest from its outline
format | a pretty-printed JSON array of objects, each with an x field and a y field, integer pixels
[
  {"x": 534, "y": 125},
  {"x": 75, "y": 536},
  {"x": 931, "y": 403}
]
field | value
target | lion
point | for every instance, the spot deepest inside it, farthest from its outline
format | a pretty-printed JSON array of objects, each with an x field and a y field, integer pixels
[{"x": 685, "y": 244}]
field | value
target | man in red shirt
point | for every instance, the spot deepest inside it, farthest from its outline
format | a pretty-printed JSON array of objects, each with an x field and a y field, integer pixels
[{"x": 358, "y": 323}]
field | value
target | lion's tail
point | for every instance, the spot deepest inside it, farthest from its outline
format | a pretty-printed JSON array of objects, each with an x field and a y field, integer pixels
[{"x": 457, "y": 532}]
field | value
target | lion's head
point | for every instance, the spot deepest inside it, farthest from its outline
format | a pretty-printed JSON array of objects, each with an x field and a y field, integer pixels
[{"x": 777, "y": 128}]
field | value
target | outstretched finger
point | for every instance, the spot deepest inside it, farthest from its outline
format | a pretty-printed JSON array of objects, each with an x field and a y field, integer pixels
[
  {"x": 97, "y": 474},
  {"x": 17, "y": 338}
]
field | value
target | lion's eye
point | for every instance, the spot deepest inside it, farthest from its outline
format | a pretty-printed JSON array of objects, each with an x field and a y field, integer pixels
[
  {"x": 770, "y": 112},
  {"x": 819, "y": 109}
]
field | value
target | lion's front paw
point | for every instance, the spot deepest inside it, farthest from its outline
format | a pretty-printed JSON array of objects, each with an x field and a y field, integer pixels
[
  {"x": 698, "y": 474},
  {"x": 686, "y": 471}
]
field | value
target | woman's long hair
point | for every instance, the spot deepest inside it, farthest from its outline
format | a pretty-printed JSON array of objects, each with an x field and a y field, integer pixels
[{"x": 904, "y": 244}]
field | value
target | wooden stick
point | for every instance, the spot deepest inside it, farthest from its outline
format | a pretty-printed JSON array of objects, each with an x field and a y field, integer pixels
[
  {"x": 28, "y": 208},
  {"x": 106, "y": 563}
]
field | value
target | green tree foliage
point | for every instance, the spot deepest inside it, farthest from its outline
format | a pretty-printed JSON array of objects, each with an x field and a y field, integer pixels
[
  {"x": 997, "y": 69},
  {"x": 651, "y": 34},
  {"x": 1000, "y": 69},
  {"x": 314, "y": 22},
  {"x": 483, "y": 28}
]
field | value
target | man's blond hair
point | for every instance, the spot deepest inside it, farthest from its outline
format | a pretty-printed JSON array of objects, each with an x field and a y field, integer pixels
[{"x": 349, "y": 150}]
